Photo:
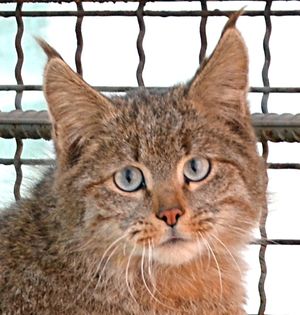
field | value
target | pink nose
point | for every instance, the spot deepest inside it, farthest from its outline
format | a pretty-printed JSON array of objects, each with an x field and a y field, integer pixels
[{"x": 170, "y": 216}]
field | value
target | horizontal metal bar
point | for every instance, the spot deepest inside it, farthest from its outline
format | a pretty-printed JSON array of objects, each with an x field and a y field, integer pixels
[
  {"x": 15, "y": 87},
  {"x": 29, "y": 162},
  {"x": 280, "y": 89},
  {"x": 276, "y": 242},
  {"x": 254, "y": 89},
  {"x": 25, "y": 125},
  {"x": 114, "y": 1},
  {"x": 51, "y": 162},
  {"x": 19, "y": 117},
  {"x": 277, "y": 166},
  {"x": 18, "y": 88},
  {"x": 36, "y": 124},
  {"x": 277, "y": 128},
  {"x": 273, "y": 120},
  {"x": 150, "y": 13}
]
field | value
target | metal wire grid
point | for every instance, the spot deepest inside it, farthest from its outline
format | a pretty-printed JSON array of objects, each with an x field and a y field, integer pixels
[{"x": 21, "y": 124}]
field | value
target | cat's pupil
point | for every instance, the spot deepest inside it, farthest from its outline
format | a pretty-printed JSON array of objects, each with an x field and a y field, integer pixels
[
  {"x": 128, "y": 176},
  {"x": 194, "y": 165}
]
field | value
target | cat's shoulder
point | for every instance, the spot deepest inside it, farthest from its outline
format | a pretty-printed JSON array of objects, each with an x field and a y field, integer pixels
[{"x": 21, "y": 215}]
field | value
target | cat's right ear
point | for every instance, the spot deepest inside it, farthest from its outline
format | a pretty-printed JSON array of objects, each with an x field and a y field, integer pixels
[
  {"x": 75, "y": 108},
  {"x": 221, "y": 85}
]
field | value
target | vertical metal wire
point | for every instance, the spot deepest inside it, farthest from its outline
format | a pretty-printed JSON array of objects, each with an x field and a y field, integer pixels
[
  {"x": 18, "y": 98},
  {"x": 202, "y": 30},
  {"x": 139, "y": 43},
  {"x": 79, "y": 37},
  {"x": 265, "y": 71},
  {"x": 263, "y": 247},
  {"x": 264, "y": 108}
]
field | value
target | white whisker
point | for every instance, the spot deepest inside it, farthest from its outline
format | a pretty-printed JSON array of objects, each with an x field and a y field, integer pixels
[
  {"x": 229, "y": 252},
  {"x": 150, "y": 264},
  {"x": 124, "y": 249},
  {"x": 208, "y": 250},
  {"x": 108, "y": 249},
  {"x": 99, "y": 265},
  {"x": 150, "y": 272},
  {"x": 238, "y": 221},
  {"x": 200, "y": 255},
  {"x": 105, "y": 264},
  {"x": 146, "y": 286},
  {"x": 218, "y": 268},
  {"x": 126, "y": 274},
  {"x": 83, "y": 246}
]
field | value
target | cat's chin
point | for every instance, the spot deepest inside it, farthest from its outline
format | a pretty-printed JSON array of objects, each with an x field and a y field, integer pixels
[{"x": 177, "y": 252}]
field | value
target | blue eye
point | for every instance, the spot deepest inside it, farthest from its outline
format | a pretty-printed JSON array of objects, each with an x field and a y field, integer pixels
[
  {"x": 129, "y": 179},
  {"x": 196, "y": 169}
]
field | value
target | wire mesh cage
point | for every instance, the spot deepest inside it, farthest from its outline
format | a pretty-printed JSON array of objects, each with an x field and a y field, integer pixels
[{"x": 23, "y": 116}]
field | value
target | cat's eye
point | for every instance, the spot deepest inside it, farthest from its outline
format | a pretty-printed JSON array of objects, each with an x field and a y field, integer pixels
[
  {"x": 196, "y": 169},
  {"x": 129, "y": 179}
]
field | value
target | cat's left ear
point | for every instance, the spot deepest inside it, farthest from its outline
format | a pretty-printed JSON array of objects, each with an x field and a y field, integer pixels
[
  {"x": 223, "y": 81},
  {"x": 76, "y": 110}
]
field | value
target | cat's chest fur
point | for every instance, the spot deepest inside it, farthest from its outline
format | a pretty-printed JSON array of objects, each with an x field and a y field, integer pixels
[
  {"x": 157, "y": 291},
  {"x": 117, "y": 290}
]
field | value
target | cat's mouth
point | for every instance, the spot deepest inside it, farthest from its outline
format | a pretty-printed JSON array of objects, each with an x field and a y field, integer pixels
[
  {"x": 176, "y": 249},
  {"x": 173, "y": 240}
]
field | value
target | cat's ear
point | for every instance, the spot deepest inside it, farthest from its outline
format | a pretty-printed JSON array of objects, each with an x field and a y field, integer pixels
[
  {"x": 75, "y": 108},
  {"x": 222, "y": 83}
]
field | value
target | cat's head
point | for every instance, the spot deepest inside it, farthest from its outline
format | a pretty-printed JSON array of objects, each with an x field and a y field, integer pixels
[{"x": 171, "y": 174}]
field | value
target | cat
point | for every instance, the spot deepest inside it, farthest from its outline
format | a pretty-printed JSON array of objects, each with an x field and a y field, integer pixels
[{"x": 153, "y": 197}]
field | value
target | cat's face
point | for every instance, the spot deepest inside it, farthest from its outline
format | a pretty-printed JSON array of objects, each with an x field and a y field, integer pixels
[
  {"x": 171, "y": 178},
  {"x": 170, "y": 175}
]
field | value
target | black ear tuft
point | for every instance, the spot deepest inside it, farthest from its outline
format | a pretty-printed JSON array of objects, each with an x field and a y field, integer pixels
[
  {"x": 232, "y": 20},
  {"x": 50, "y": 51}
]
